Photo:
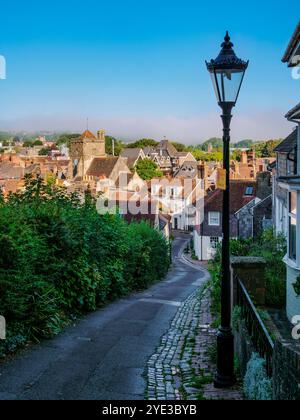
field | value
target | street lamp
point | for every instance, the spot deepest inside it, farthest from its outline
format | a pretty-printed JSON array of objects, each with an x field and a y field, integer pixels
[{"x": 227, "y": 72}]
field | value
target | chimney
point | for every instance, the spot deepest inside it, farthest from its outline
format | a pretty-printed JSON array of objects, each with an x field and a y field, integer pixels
[
  {"x": 101, "y": 135},
  {"x": 244, "y": 157}
]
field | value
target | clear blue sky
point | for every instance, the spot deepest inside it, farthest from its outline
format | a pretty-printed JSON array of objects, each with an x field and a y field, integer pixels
[{"x": 136, "y": 68}]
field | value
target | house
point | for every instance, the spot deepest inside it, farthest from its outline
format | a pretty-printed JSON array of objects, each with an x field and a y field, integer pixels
[
  {"x": 166, "y": 156},
  {"x": 256, "y": 216},
  {"x": 179, "y": 198},
  {"x": 208, "y": 234},
  {"x": 133, "y": 155},
  {"x": 286, "y": 194}
]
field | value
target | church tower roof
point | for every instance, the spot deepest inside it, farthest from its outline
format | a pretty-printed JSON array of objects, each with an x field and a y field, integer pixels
[{"x": 87, "y": 134}]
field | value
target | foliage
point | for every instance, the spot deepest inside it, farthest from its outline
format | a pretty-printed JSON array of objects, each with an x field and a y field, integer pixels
[
  {"x": 118, "y": 145},
  {"x": 27, "y": 143},
  {"x": 247, "y": 144},
  {"x": 66, "y": 139},
  {"x": 266, "y": 149},
  {"x": 180, "y": 147},
  {"x": 236, "y": 317},
  {"x": 257, "y": 385},
  {"x": 215, "y": 142},
  {"x": 147, "y": 169},
  {"x": 37, "y": 143},
  {"x": 215, "y": 156},
  {"x": 272, "y": 248},
  {"x": 296, "y": 286},
  {"x": 60, "y": 257},
  {"x": 140, "y": 144},
  {"x": 45, "y": 151}
]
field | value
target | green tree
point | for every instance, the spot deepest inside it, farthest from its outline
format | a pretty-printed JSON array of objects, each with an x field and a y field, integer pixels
[
  {"x": 27, "y": 143},
  {"x": 118, "y": 145},
  {"x": 179, "y": 146},
  {"x": 45, "y": 151},
  {"x": 147, "y": 169},
  {"x": 66, "y": 139},
  {"x": 143, "y": 143},
  {"x": 216, "y": 143},
  {"x": 37, "y": 143}
]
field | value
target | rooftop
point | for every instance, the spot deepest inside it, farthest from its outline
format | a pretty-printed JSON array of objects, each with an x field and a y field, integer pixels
[
  {"x": 288, "y": 144},
  {"x": 239, "y": 196},
  {"x": 292, "y": 45}
]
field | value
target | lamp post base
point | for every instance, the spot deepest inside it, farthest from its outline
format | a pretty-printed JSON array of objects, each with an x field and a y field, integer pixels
[{"x": 225, "y": 377}]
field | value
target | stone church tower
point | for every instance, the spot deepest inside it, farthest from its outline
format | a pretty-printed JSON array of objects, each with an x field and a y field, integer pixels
[{"x": 83, "y": 150}]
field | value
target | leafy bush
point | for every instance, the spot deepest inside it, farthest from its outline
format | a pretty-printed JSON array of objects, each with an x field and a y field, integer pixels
[
  {"x": 60, "y": 257},
  {"x": 257, "y": 385},
  {"x": 272, "y": 249}
]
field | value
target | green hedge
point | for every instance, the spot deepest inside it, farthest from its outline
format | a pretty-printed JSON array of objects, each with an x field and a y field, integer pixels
[{"x": 59, "y": 257}]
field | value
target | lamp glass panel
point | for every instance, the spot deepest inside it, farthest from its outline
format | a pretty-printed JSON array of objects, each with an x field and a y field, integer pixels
[{"x": 229, "y": 82}]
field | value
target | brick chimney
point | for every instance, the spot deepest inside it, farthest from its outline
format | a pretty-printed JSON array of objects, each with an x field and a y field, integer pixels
[
  {"x": 244, "y": 157},
  {"x": 101, "y": 135}
]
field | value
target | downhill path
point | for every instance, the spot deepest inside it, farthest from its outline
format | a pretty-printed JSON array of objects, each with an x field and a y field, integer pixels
[{"x": 105, "y": 354}]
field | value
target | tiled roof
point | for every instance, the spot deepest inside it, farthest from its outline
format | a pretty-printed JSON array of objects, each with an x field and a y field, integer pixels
[
  {"x": 132, "y": 155},
  {"x": 294, "y": 113},
  {"x": 9, "y": 171},
  {"x": 102, "y": 166},
  {"x": 87, "y": 135},
  {"x": 289, "y": 144},
  {"x": 166, "y": 145},
  {"x": 292, "y": 44},
  {"x": 238, "y": 199}
]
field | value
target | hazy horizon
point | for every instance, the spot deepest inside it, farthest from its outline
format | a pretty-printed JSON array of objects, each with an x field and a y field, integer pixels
[{"x": 138, "y": 69}]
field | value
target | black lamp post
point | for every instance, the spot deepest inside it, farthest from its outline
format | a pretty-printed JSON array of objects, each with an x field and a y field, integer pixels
[{"x": 227, "y": 73}]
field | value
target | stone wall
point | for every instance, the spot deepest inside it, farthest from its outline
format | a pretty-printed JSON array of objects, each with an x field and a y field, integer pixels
[
  {"x": 251, "y": 270},
  {"x": 286, "y": 370}
]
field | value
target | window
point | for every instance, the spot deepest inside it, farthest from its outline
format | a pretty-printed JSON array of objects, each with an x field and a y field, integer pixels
[
  {"x": 214, "y": 218},
  {"x": 214, "y": 241},
  {"x": 292, "y": 225},
  {"x": 249, "y": 191}
]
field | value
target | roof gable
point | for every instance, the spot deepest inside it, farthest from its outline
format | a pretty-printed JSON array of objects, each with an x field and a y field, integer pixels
[{"x": 288, "y": 144}]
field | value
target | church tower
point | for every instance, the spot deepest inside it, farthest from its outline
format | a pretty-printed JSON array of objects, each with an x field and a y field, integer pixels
[{"x": 83, "y": 150}]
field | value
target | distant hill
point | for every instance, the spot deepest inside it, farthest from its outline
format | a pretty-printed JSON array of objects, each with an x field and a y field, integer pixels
[{"x": 244, "y": 144}]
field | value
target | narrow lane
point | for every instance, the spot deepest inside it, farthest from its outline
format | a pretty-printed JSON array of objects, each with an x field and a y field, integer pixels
[{"x": 104, "y": 355}]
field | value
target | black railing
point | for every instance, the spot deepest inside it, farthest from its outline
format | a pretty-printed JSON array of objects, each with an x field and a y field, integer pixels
[{"x": 260, "y": 337}]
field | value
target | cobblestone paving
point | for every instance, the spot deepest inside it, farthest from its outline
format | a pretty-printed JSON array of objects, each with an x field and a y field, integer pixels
[{"x": 182, "y": 367}]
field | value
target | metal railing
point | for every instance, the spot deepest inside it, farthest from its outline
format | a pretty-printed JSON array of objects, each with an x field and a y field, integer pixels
[{"x": 260, "y": 336}]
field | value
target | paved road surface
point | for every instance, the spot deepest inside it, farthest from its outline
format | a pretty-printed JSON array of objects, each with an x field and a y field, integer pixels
[{"x": 104, "y": 355}]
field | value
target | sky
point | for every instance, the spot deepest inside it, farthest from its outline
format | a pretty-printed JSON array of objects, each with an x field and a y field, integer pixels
[{"x": 137, "y": 68}]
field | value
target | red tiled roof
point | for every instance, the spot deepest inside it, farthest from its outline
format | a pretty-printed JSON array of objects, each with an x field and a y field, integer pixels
[
  {"x": 238, "y": 199},
  {"x": 87, "y": 135}
]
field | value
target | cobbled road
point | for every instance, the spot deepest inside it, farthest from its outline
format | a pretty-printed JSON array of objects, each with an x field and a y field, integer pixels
[{"x": 104, "y": 356}]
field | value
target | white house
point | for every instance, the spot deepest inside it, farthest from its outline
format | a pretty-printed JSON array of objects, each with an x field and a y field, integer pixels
[{"x": 287, "y": 214}]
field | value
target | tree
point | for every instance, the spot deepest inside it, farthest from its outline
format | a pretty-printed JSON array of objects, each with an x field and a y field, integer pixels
[
  {"x": 37, "y": 143},
  {"x": 147, "y": 169},
  {"x": 118, "y": 145},
  {"x": 179, "y": 146},
  {"x": 44, "y": 151},
  {"x": 143, "y": 143},
  {"x": 66, "y": 139},
  {"x": 27, "y": 143},
  {"x": 247, "y": 143},
  {"x": 268, "y": 147},
  {"x": 216, "y": 143}
]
